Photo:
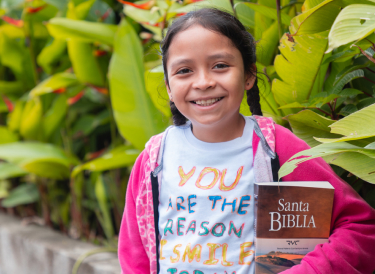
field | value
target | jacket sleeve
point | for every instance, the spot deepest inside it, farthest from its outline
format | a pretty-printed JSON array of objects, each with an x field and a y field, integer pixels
[
  {"x": 351, "y": 243},
  {"x": 131, "y": 253}
]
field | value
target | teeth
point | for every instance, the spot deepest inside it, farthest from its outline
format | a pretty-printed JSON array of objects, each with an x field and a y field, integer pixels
[{"x": 207, "y": 102}]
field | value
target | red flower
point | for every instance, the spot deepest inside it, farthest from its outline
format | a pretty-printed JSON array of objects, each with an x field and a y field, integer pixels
[
  {"x": 35, "y": 10},
  {"x": 99, "y": 53},
  {"x": 59, "y": 90},
  {"x": 8, "y": 103},
  {"x": 75, "y": 99},
  {"x": 145, "y": 6},
  {"x": 100, "y": 90},
  {"x": 14, "y": 22}
]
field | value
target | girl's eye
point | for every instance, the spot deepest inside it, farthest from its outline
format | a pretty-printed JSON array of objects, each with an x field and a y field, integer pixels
[
  {"x": 221, "y": 66},
  {"x": 183, "y": 71}
]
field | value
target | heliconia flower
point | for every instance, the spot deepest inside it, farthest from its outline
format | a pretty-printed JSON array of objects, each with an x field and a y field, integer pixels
[
  {"x": 99, "y": 53},
  {"x": 158, "y": 24},
  {"x": 75, "y": 99},
  {"x": 180, "y": 14},
  {"x": 8, "y": 103},
  {"x": 35, "y": 10},
  {"x": 12, "y": 21},
  {"x": 145, "y": 6},
  {"x": 187, "y": 2},
  {"x": 100, "y": 89},
  {"x": 59, "y": 90}
]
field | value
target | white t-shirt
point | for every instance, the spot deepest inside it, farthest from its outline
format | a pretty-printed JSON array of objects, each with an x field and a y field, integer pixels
[{"x": 206, "y": 211}]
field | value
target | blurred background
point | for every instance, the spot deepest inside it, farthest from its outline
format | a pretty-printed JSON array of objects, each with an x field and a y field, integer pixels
[{"x": 82, "y": 90}]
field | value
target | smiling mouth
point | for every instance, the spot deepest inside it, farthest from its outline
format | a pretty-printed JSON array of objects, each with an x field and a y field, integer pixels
[{"x": 208, "y": 102}]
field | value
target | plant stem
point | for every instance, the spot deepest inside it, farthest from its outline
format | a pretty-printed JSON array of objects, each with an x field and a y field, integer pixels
[
  {"x": 44, "y": 199},
  {"x": 279, "y": 18},
  {"x": 370, "y": 70},
  {"x": 334, "y": 104},
  {"x": 326, "y": 113},
  {"x": 369, "y": 80}
]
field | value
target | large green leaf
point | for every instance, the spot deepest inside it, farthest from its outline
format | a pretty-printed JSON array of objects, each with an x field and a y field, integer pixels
[
  {"x": 269, "y": 12},
  {"x": 7, "y": 136},
  {"x": 15, "y": 117},
  {"x": 267, "y": 46},
  {"x": 318, "y": 19},
  {"x": 30, "y": 125},
  {"x": 51, "y": 54},
  {"x": 307, "y": 124},
  {"x": 354, "y": 22},
  {"x": 63, "y": 28},
  {"x": 140, "y": 15},
  {"x": 85, "y": 64},
  {"x": 156, "y": 89},
  {"x": 245, "y": 14},
  {"x": 10, "y": 87},
  {"x": 358, "y": 125},
  {"x": 8, "y": 170},
  {"x": 304, "y": 53},
  {"x": 359, "y": 73},
  {"x": 55, "y": 82},
  {"x": 119, "y": 157},
  {"x": 135, "y": 115},
  {"x": 357, "y": 160},
  {"x": 21, "y": 195},
  {"x": 55, "y": 115},
  {"x": 44, "y": 160}
]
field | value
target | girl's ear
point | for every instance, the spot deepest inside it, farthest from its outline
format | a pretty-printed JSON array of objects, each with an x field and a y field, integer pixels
[
  {"x": 250, "y": 78},
  {"x": 168, "y": 90}
]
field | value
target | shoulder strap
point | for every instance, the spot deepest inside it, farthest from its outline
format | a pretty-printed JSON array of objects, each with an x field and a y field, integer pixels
[{"x": 265, "y": 129}]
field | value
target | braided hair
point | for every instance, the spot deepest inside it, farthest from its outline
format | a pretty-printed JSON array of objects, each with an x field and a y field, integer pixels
[{"x": 227, "y": 25}]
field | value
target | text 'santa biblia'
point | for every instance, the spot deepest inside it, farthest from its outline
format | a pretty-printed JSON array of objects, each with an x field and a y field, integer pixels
[{"x": 291, "y": 218}]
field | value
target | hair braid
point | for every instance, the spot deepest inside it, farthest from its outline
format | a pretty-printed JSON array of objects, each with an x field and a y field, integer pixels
[
  {"x": 253, "y": 99},
  {"x": 178, "y": 118}
]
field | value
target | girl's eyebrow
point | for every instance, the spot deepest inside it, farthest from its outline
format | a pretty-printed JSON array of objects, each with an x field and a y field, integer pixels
[{"x": 224, "y": 55}]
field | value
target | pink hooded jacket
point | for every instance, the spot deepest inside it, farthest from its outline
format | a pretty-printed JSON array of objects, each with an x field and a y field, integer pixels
[{"x": 351, "y": 246}]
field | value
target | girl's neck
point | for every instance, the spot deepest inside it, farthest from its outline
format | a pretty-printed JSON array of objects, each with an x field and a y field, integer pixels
[{"x": 222, "y": 132}]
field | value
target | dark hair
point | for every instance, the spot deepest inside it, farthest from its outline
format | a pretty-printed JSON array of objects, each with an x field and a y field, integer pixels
[{"x": 227, "y": 25}]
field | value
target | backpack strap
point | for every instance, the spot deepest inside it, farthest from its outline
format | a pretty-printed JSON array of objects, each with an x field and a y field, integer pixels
[
  {"x": 266, "y": 161},
  {"x": 156, "y": 147}
]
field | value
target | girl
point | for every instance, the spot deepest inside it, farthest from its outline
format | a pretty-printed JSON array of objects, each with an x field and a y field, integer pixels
[{"x": 189, "y": 204}]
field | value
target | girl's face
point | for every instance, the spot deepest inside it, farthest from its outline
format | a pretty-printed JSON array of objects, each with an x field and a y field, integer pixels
[{"x": 206, "y": 77}]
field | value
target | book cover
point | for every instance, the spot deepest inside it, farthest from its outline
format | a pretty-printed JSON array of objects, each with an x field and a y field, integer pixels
[{"x": 291, "y": 218}]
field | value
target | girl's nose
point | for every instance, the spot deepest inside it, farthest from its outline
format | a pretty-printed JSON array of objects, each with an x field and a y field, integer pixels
[{"x": 204, "y": 81}]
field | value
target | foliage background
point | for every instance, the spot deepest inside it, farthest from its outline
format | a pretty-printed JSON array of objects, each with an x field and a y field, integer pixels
[{"x": 82, "y": 91}]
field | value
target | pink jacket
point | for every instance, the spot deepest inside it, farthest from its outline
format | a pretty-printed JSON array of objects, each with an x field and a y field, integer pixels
[{"x": 351, "y": 246}]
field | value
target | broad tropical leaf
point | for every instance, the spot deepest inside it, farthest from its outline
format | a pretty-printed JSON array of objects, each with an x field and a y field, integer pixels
[
  {"x": 358, "y": 125},
  {"x": 64, "y": 28},
  {"x": 357, "y": 160},
  {"x": 21, "y": 195},
  {"x": 119, "y": 157},
  {"x": 7, "y": 136},
  {"x": 354, "y": 22},
  {"x": 54, "y": 83},
  {"x": 315, "y": 20},
  {"x": 307, "y": 124},
  {"x": 135, "y": 115},
  {"x": 269, "y": 12},
  {"x": 304, "y": 53},
  {"x": 8, "y": 170},
  {"x": 44, "y": 160}
]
